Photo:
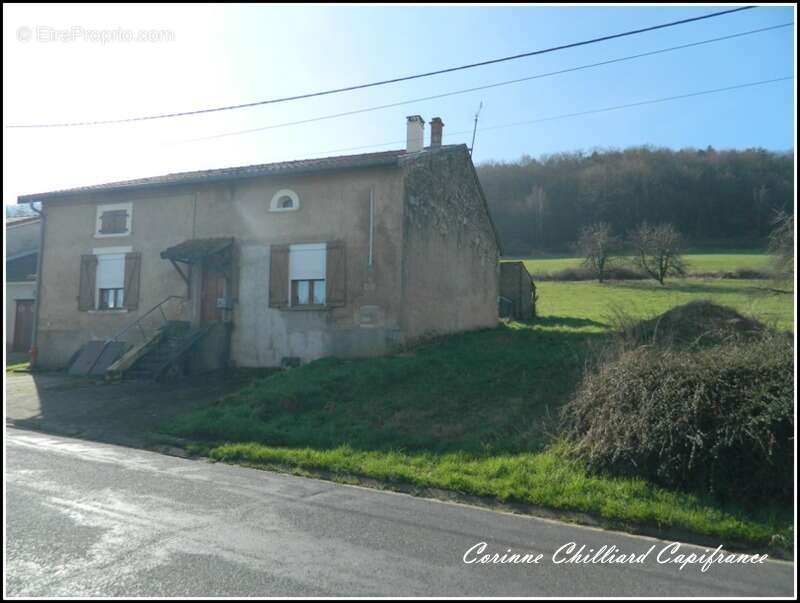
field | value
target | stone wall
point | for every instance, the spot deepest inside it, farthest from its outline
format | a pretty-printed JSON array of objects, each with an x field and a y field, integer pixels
[{"x": 450, "y": 250}]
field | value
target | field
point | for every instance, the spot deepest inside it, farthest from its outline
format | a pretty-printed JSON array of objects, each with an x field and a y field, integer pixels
[
  {"x": 591, "y": 306},
  {"x": 475, "y": 413},
  {"x": 697, "y": 263}
]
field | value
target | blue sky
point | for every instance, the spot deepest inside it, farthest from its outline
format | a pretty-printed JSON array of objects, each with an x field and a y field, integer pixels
[{"x": 221, "y": 55}]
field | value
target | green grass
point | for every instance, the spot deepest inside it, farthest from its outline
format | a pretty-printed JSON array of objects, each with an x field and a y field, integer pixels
[
  {"x": 546, "y": 478},
  {"x": 482, "y": 392},
  {"x": 697, "y": 263},
  {"x": 589, "y": 300},
  {"x": 19, "y": 367},
  {"x": 474, "y": 412}
]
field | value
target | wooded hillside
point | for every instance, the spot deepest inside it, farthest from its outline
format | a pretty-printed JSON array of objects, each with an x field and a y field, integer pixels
[{"x": 715, "y": 198}]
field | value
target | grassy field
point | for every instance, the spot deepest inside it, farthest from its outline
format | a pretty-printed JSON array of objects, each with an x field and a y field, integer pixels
[
  {"x": 474, "y": 413},
  {"x": 699, "y": 263},
  {"x": 593, "y": 305}
]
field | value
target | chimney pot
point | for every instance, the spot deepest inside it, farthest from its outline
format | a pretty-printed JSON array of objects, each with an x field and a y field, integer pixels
[
  {"x": 437, "y": 125},
  {"x": 415, "y": 134}
]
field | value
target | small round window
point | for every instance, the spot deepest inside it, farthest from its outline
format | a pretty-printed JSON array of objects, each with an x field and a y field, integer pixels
[{"x": 285, "y": 200}]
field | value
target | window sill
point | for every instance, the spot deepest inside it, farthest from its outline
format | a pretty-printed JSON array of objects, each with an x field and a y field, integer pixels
[
  {"x": 307, "y": 308},
  {"x": 109, "y": 311},
  {"x": 283, "y": 209},
  {"x": 98, "y": 235}
]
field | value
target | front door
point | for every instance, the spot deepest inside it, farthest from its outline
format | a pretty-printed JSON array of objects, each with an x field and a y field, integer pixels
[
  {"x": 213, "y": 288},
  {"x": 23, "y": 326}
]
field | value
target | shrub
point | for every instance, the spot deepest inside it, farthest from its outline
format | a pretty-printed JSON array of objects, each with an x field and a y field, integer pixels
[
  {"x": 781, "y": 245},
  {"x": 697, "y": 324},
  {"x": 717, "y": 420}
]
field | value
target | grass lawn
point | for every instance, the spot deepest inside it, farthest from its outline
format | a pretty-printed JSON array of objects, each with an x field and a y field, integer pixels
[
  {"x": 474, "y": 412},
  {"x": 19, "y": 367},
  {"x": 698, "y": 263}
]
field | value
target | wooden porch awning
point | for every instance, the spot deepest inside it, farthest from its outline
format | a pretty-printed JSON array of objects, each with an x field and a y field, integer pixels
[{"x": 194, "y": 250}]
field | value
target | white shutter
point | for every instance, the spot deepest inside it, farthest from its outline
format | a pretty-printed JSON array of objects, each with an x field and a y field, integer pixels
[
  {"x": 111, "y": 271},
  {"x": 307, "y": 262}
]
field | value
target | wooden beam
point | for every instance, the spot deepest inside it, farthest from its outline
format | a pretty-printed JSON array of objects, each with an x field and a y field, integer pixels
[{"x": 186, "y": 279}]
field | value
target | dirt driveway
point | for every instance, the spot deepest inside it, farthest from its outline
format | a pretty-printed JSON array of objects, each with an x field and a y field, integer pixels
[{"x": 126, "y": 413}]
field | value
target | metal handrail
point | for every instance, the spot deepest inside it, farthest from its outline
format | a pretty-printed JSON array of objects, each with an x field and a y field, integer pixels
[{"x": 138, "y": 321}]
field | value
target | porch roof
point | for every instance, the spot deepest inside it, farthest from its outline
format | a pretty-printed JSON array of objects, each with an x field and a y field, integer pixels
[{"x": 192, "y": 250}]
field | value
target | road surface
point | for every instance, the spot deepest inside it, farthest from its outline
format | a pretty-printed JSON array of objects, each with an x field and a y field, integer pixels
[{"x": 90, "y": 519}]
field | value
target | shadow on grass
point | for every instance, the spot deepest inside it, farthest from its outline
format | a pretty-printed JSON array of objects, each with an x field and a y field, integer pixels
[{"x": 570, "y": 322}]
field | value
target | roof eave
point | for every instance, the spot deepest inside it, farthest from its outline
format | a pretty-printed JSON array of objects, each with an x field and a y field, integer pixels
[{"x": 41, "y": 197}]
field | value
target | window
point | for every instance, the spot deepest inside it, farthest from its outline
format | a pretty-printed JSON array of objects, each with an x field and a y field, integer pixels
[
  {"x": 285, "y": 200},
  {"x": 110, "y": 281},
  {"x": 307, "y": 274},
  {"x": 110, "y": 299},
  {"x": 113, "y": 220}
]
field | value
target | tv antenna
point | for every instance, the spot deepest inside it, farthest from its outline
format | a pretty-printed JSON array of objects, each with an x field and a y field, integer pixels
[{"x": 475, "y": 128}]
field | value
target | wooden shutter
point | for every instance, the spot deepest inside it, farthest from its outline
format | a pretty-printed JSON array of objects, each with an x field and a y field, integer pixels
[
  {"x": 336, "y": 275},
  {"x": 114, "y": 221},
  {"x": 86, "y": 282},
  {"x": 133, "y": 268},
  {"x": 279, "y": 276}
]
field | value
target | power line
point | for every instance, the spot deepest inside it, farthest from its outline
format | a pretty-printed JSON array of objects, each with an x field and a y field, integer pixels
[
  {"x": 580, "y": 113},
  {"x": 484, "y": 87},
  {"x": 393, "y": 80},
  {"x": 645, "y": 102}
]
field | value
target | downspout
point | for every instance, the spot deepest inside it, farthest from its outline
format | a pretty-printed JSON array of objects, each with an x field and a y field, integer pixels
[
  {"x": 371, "y": 223},
  {"x": 34, "y": 351}
]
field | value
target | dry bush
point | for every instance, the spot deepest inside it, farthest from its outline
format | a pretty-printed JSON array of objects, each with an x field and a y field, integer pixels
[{"x": 711, "y": 413}]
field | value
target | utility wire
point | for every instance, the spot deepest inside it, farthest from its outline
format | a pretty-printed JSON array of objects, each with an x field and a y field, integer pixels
[
  {"x": 485, "y": 87},
  {"x": 579, "y": 113},
  {"x": 645, "y": 102},
  {"x": 393, "y": 80}
]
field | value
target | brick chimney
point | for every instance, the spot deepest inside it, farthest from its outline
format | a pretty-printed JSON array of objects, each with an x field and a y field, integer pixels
[
  {"x": 437, "y": 125},
  {"x": 415, "y": 134}
]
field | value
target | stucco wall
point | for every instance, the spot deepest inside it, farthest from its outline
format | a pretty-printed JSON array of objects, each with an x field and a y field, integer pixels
[
  {"x": 333, "y": 206},
  {"x": 157, "y": 222},
  {"x": 450, "y": 271}
]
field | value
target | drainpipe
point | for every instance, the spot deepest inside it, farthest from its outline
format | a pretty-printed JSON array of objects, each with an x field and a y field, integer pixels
[
  {"x": 371, "y": 223},
  {"x": 34, "y": 351}
]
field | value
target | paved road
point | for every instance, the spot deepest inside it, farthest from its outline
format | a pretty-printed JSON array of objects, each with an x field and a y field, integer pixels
[{"x": 89, "y": 519}]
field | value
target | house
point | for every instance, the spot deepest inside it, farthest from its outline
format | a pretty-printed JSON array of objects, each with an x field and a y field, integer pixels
[
  {"x": 276, "y": 264},
  {"x": 22, "y": 256}
]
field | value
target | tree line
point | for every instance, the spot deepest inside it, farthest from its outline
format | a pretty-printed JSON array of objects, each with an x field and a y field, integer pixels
[{"x": 713, "y": 198}]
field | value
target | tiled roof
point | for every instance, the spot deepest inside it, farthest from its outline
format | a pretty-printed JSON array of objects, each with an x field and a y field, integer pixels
[
  {"x": 20, "y": 220},
  {"x": 250, "y": 171}
]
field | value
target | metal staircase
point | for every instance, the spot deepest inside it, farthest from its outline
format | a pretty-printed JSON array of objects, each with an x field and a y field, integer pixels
[
  {"x": 154, "y": 347},
  {"x": 166, "y": 356}
]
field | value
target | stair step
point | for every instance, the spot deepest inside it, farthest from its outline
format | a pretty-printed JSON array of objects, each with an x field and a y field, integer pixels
[{"x": 174, "y": 344}]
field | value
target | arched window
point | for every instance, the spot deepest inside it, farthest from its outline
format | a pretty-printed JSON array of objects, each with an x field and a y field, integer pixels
[{"x": 285, "y": 200}]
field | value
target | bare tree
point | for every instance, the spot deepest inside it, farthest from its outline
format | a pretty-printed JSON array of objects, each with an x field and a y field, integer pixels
[
  {"x": 781, "y": 245},
  {"x": 598, "y": 246},
  {"x": 657, "y": 250}
]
